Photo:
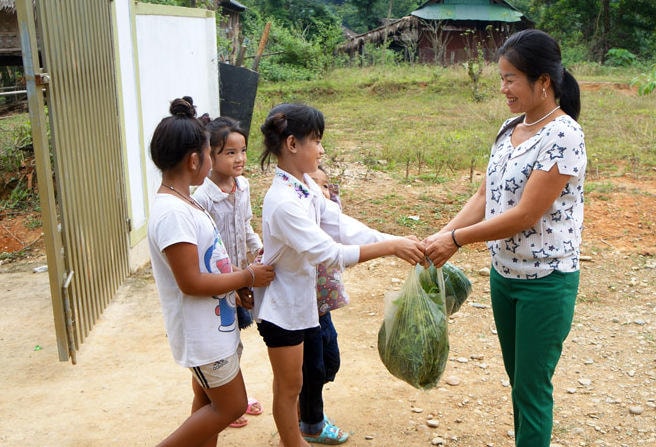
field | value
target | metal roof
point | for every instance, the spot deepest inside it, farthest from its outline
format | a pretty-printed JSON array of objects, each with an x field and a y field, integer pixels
[
  {"x": 468, "y": 10},
  {"x": 232, "y": 5}
]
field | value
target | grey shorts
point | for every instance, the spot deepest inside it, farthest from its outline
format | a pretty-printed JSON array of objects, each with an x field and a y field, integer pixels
[{"x": 216, "y": 374}]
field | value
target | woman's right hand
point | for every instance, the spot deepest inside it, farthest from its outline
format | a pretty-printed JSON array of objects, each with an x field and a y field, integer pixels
[{"x": 262, "y": 274}]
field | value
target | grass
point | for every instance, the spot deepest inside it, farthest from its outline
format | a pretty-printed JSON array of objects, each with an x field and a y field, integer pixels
[
  {"x": 5, "y": 256},
  {"x": 421, "y": 121},
  {"x": 13, "y": 129}
]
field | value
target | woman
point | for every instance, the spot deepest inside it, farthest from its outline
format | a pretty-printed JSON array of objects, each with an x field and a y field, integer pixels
[{"x": 529, "y": 210}]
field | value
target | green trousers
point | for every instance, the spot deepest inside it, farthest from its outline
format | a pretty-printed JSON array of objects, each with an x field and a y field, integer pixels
[{"x": 533, "y": 318}]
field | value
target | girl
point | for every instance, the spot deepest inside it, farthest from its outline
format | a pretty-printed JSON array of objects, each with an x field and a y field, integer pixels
[
  {"x": 225, "y": 193},
  {"x": 321, "y": 358},
  {"x": 196, "y": 281},
  {"x": 300, "y": 230},
  {"x": 529, "y": 209}
]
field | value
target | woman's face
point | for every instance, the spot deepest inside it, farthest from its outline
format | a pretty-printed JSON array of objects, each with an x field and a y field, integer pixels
[{"x": 521, "y": 96}]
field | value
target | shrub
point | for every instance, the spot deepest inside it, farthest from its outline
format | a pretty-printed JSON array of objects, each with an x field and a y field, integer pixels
[
  {"x": 619, "y": 57},
  {"x": 646, "y": 82}
]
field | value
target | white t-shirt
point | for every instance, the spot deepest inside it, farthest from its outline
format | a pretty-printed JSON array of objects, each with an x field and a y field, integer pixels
[
  {"x": 302, "y": 229},
  {"x": 554, "y": 242},
  {"x": 200, "y": 329},
  {"x": 233, "y": 219}
]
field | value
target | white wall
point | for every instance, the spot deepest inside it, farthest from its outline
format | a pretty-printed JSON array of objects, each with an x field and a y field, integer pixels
[
  {"x": 127, "y": 68},
  {"x": 164, "y": 52}
]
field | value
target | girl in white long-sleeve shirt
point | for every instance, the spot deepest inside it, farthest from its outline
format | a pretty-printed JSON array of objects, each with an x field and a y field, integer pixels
[{"x": 300, "y": 230}]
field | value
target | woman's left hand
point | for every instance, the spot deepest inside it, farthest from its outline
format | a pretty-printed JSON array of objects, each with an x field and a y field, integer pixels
[{"x": 440, "y": 248}]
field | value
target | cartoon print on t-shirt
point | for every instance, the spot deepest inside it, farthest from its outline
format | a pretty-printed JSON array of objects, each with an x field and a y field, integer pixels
[{"x": 217, "y": 261}]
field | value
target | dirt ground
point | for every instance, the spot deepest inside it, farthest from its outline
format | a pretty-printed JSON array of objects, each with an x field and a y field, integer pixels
[{"x": 126, "y": 390}]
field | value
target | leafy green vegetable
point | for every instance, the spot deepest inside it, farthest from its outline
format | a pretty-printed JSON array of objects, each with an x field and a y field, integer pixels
[
  {"x": 413, "y": 342},
  {"x": 456, "y": 286}
]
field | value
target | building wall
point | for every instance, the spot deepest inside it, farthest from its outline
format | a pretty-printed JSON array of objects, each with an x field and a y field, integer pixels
[
  {"x": 10, "y": 51},
  {"x": 163, "y": 53},
  {"x": 9, "y": 39}
]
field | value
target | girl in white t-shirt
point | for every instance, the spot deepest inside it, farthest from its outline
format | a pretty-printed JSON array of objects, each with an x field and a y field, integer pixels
[
  {"x": 195, "y": 280},
  {"x": 301, "y": 229}
]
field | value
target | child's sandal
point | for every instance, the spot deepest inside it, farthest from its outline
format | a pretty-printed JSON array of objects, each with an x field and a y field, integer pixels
[{"x": 330, "y": 435}]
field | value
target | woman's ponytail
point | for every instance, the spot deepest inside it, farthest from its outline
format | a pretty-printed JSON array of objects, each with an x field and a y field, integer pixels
[{"x": 570, "y": 95}]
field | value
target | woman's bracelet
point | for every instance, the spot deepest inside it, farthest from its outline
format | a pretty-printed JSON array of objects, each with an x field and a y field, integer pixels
[
  {"x": 453, "y": 237},
  {"x": 252, "y": 272}
]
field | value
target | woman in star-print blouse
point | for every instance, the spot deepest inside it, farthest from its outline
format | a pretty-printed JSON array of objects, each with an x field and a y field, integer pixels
[{"x": 529, "y": 211}]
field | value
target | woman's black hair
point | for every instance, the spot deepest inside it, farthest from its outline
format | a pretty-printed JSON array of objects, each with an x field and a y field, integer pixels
[
  {"x": 299, "y": 120},
  {"x": 534, "y": 53},
  {"x": 219, "y": 129},
  {"x": 177, "y": 135}
]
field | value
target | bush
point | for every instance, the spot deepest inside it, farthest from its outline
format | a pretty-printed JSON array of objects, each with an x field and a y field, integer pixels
[
  {"x": 646, "y": 82},
  {"x": 619, "y": 57},
  {"x": 574, "y": 54},
  {"x": 378, "y": 55}
]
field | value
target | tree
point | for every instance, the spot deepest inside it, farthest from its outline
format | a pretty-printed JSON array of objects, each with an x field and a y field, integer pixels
[
  {"x": 368, "y": 14},
  {"x": 632, "y": 26},
  {"x": 438, "y": 38},
  {"x": 599, "y": 25}
]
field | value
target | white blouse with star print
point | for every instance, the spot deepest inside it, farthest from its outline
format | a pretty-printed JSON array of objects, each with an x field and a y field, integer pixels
[{"x": 554, "y": 242}]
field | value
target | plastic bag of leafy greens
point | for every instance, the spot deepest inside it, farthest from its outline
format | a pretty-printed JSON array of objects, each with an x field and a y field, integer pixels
[
  {"x": 413, "y": 341},
  {"x": 457, "y": 286}
]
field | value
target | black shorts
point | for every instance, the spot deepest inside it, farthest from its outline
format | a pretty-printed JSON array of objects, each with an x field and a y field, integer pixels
[{"x": 277, "y": 337}]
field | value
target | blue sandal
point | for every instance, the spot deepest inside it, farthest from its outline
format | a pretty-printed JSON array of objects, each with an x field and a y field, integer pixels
[{"x": 330, "y": 435}]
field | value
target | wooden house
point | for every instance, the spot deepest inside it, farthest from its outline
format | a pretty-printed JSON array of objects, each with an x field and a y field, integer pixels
[
  {"x": 230, "y": 25},
  {"x": 447, "y": 31},
  {"x": 10, "y": 47}
]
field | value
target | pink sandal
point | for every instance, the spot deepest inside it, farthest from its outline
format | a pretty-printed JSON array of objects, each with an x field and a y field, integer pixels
[
  {"x": 254, "y": 407},
  {"x": 238, "y": 423}
]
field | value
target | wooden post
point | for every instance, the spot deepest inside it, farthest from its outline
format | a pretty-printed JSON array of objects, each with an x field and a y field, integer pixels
[
  {"x": 240, "y": 56},
  {"x": 260, "y": 48}
]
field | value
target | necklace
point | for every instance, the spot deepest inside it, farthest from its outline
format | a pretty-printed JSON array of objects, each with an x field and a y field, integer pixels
[
  {"x": 193, "y": 201},
  {"x": 234, "y": 187},
  {"x": 541, "y": 119},
  {"x": 184, "y": 196}
]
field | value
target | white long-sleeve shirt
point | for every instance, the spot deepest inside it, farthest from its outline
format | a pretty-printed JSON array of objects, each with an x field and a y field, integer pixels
[
  {"x": 233, "y": 219},
  {"x": 300, "y": 229}
]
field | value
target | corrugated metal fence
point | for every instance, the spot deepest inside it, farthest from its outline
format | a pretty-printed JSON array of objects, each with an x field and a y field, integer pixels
[{"x": 89, "y": 218}]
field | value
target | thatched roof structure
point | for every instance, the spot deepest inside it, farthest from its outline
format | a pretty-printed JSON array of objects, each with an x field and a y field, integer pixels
[
  {"x": 8, "y": 6},
  {"x": 380, "y": 34}
]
